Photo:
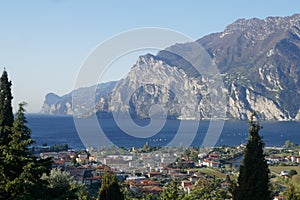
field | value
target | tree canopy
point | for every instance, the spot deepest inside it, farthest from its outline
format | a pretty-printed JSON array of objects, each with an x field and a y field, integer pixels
[
  {"x": 110, "y": 189},
  {"x": 253, "y": 180},
  {"x": 20, "y": 171},
  {"x": 170, "y": 192}
]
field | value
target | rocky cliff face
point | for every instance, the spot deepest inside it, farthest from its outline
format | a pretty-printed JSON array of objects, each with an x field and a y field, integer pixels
[
  {"x": 57, "y": 105},
  {"x": 259, "y": 62},
  {"x": 261, "y": 59},
  {"x": 153, "y": 82}
]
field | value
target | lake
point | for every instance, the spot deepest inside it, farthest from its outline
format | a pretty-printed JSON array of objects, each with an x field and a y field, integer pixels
[{"x": 61, "y": 129}]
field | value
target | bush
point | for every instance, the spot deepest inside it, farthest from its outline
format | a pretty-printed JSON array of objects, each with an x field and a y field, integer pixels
[{"x": 292, "y": 173}]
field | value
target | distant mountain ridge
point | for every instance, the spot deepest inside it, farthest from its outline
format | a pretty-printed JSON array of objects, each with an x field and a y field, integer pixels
[
  {"x": 259, "y": 60},
  {"x": 56, "y": 105}
]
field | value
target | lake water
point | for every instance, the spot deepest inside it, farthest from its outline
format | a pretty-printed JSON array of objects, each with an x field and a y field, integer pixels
[{"x": 59, "y": 130}]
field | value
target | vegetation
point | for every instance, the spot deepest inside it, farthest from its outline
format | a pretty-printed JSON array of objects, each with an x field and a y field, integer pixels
[
  {"x": 59, "y": 147},
  {"x": 171, "y": 191},
  {"x": 110, "y": 189},
  {"x": 207, "y": 189},
  {"x": 20, "y": 171},
  {"x": 253, "y": 180},
  {"x": 212, "y": 172},
  {"x": 130, "y": 194},
  {"x": 6, "y": 114},
  {"x": 61, "y": 185},
  {"x": 278, "y": 169},
  {"x": 292, "y": 173},
  {"x": 292, "y": 194}
]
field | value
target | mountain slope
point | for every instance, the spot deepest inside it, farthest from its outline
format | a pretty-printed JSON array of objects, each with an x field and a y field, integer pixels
[
  {"x": 259, "y": 61},
  {"x": 57, "y": 105},
  {"x": 257, "y": 58},
  {"x": 262, "y": 55}
]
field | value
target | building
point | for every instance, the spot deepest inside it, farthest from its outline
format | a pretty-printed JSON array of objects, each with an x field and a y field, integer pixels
[
  {"x": 53, "y": 155},
  {"x": 186, "y": 183},
  {"x": 211, "y": 163},
  {"x": 154, "y": 174},
  {"x": 295, "y": 159},
  {"x": 137, "y": 179}
]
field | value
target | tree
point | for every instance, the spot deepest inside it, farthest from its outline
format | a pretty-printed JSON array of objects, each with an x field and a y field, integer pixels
[
  {"x": 253, "y": 180},
  {"x": 22, "y": 169},
  {"x": 227, "y": 179},
  {"x": 292, "y": 173},
  {"x": 288, "y": 144},
  {"x": 19, "y": 141},
  {"x": 171, "y": 191},
  {"x": 6, "y": 113},
  {"x": 291, "y": 193},
  {"x": 61, "y": 185},
  {"x": 207, "y": 189},
  {"x": 110, "y": 189},
  {"x": 6, "y": 123}
]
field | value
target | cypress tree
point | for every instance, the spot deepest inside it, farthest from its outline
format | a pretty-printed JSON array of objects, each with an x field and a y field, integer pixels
[
  {"x": 253, "y": 180},
  {"x": 6, "y": 113},
  {"x": 6, "y": 123},
  {"x": 110, "y": 189}
]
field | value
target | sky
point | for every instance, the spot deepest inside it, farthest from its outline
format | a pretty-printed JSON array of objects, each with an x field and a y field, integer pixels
[{"x": 44, "y": 43}]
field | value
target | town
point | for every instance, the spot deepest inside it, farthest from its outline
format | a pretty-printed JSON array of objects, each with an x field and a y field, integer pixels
[{"x": 147, "y": 170}]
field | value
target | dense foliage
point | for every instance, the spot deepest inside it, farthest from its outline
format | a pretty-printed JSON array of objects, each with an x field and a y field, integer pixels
[
  {"x": 171, "y": 191},
  {"x": 20, "y": 171},
  {"x": 253, "y": 180},
  {"x": 110, "y": 189},
  {"x": 61, "y": 185}
]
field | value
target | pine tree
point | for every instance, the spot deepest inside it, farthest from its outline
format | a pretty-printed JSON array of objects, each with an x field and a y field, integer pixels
[
  {"x": 253, "y": 180},
  {"x": 17, "y": 154},
  {"x": 110, "y": 189},
  {"x": 23, "y": 170},
  {"x": 21, "y": 132}
]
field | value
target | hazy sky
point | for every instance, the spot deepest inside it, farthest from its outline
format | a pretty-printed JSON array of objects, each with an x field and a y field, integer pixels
[{"x": 44, "y": 42}]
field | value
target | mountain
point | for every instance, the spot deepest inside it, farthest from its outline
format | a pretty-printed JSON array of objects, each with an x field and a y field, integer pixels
[
  {"x": 259, "y": 63},
  {"x": 260, "y": 60},
  {"x": 263, "y": 56},
  {"x": 56, "y": 105}
]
